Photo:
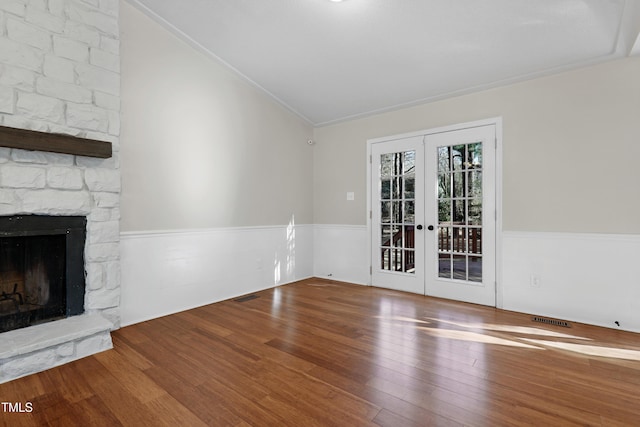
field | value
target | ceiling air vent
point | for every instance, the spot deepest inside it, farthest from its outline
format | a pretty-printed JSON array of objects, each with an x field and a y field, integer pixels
[{"x": 549, "y": 321}]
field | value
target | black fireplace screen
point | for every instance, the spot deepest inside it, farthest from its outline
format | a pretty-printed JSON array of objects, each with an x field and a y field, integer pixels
[{"x": 41, "y": 269}]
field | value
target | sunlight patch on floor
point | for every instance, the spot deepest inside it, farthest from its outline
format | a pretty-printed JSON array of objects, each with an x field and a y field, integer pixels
[
  {"x": 474, "y": 337},
  {"x": 403, "y": 319},
  {"x": 590, "y": 350},
  {"x": 527, "y": 330},
  {"x": 476, "y": 333}
]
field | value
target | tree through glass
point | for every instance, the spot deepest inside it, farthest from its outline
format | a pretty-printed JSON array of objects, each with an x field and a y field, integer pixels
[
  {"x": 397, "y": 211},
  {"x": 460, "y": 212}
]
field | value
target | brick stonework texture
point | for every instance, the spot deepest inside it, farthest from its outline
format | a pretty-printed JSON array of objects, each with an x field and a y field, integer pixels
[{"x": 60, "y": 73}]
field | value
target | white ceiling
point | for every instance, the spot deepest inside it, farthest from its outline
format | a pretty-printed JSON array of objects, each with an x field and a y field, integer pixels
[{"x": 331, "y": 61}]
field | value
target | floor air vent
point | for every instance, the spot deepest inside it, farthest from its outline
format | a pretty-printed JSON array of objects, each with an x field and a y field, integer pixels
[
  {"x": 246, "y": 298},
  {"x": 548, "y": 321}
]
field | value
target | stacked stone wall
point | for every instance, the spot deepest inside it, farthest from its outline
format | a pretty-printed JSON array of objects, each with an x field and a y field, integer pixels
[{"x": 60, "y": 73}]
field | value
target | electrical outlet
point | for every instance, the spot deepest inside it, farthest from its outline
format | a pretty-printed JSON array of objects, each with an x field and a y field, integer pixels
[{"x": 534, "y": 281}]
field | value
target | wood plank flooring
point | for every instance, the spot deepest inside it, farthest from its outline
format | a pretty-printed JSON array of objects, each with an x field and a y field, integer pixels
[{"x": 319, "y": 353}]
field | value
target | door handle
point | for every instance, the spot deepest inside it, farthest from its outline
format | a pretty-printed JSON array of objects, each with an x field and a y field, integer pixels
[
  {"x": 430, "y": 228},
  {"x": 419, "y": 226}
]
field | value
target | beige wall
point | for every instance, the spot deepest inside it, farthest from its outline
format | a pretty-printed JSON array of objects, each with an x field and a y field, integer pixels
[
  {"x": 201, "y": 147},
  {"x": 571, "y": 147}
]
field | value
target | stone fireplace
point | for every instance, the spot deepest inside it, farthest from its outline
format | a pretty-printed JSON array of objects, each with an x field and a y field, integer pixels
[
  {"x": 41, "y": 269},
  {"x": 59, "y": 75},
  {"x": 45, "y": 198}
]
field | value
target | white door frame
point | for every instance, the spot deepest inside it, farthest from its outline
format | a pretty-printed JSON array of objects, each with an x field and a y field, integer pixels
[{"x": 497, "y": 121}]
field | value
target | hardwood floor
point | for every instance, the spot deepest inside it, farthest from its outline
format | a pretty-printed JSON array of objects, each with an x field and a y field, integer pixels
[{"x": 317, "y": 353}]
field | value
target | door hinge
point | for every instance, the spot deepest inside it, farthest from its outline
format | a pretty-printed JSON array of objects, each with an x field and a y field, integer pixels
[
  {"x": 370, "y": 214},
  {"x": 370, "y": 271},
  {"x": 495, "y": 142},
  {"x": 370, "y": 159}
]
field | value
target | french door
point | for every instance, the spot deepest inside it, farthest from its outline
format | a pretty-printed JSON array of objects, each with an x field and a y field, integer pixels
[
  {"x": 433, "y": 214},
  {"x": 398, "y": 241}
]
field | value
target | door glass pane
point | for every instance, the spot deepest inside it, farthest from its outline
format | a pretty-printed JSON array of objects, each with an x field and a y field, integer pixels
[
  {"x": 444, "y": 159},
  {"x": 460, "y": 212},
  {"x": 385, "y": 212},
  {"x": 410, "y": 187},
  {"x": 444, "y": 211},
  {"x": 459, "y": 239},
  {"x": 457, "y": 157},
  {"x": 385, "y": 236},
  {"x": 474, "y": 240},
  {"x": 474, "y": 155},
  {"x": 396, "y": 212},
  {"x": 396, "y": 236},
  {"x": 409, "y": 165},
  {"x": 397, "y": 209},
  {"x": 409, "y": 212},
  {"x": 396, "y": 260},
  {"x": 460, "y": 267},
  {"x": 409, "y": 237},
  {"x": 475, "y": 212},
  {"x": 385, "y": 189},
  {"x": 409, "y": 261},
  {"x": 444, "y": 266},
  {"x": 386, "y": 165},
  {"x": 459, "y": 184},
  {"x": 397, "y": 188},
  {"x": 475, "y": 269},
  {"x": 444, "y": 185},
  {"x": 384, "y": 258},
  {"x": 444, "y": 239},
  {"x": 474, "y": 184}
]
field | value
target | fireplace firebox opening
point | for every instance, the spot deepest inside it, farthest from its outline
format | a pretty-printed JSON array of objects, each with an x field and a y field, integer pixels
[{"x": 41, "y": 269}]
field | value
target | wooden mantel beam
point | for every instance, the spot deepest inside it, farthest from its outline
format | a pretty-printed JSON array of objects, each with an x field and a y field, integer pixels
[{"x": 53, "y": 143}]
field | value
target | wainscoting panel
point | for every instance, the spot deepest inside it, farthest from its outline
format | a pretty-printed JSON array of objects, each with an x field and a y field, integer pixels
[
  {"x": 168, "y": 272},
  {"x": 341, "y": 252},
  {"x": 588, "y": 278}
]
